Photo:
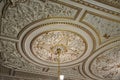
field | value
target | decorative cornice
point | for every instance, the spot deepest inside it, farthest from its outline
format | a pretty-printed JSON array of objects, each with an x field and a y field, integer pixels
[
  {"x": 96, "y": 7},
  {"x": 114, "y": 3}
]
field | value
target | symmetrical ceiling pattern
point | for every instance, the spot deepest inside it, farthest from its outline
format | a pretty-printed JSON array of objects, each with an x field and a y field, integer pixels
[
  {"x": 45, "y": 46},
  {"x": 87, "y": 33}
]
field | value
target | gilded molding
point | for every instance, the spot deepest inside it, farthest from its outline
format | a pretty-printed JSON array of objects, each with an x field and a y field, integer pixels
[
  {"x": 53, "y": 23},
  {"x": 59, "y": 22},
  {"x": 68, "y": 52}
]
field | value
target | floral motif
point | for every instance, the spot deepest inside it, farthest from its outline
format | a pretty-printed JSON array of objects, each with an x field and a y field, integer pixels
[
  {"x": 70, "y": 45},
  {"x": 25, "y": 12},
  {"x": 107, "y": 64},
  {"x": 106, "y": 28}
]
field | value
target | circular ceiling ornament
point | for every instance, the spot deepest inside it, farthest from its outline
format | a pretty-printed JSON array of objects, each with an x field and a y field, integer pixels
[
  {"x": 39, "y": 42},
  {"x": 104, "y": 63},
  {"x": 71, "y": 46}
]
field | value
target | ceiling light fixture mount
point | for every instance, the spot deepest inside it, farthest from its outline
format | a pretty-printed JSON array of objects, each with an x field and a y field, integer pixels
[{"x": 60, "y": 77}]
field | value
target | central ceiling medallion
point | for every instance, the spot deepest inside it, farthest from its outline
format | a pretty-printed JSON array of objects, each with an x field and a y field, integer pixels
[
  {"x": 71, "y": 45},
  {"x": 40, "y": 42}
]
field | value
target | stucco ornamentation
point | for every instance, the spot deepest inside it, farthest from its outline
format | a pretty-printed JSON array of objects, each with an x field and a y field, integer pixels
[
  {"x": 12, "y": 59},
  {"x": 107, "y": 64},
  {"x": 25, "y": 12},
  {"x": 106, "y": 28},
  {"x": 71, "y": 46}
]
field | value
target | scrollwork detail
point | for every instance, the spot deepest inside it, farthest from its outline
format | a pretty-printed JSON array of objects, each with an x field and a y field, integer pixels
[
  {"x": 106, "y": 28},
  {"x": 27, "y": 11},
  {"x": 71, "y": 46},
  {"x": 107, "y": 65},
  {"x": 12, "y": 59}
]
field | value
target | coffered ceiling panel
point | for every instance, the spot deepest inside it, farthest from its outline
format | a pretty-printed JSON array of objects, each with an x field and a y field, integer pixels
[{"x": 106, "y": 28}]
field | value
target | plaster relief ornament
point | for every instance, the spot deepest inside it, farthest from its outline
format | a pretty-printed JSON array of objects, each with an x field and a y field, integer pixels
[
  {"x": 71, "y": 46},
  {"x": 107, "y": 29},
  {"x": 107, "y": 65},
  {"x": 9, "y": 57},
  {"x": 23, "y": 12}
]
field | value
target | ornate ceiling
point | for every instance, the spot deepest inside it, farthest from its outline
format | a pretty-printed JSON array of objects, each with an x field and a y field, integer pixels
[
  {"x": 87, "y": 32},
  {"x": 47, "y": 44}
]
